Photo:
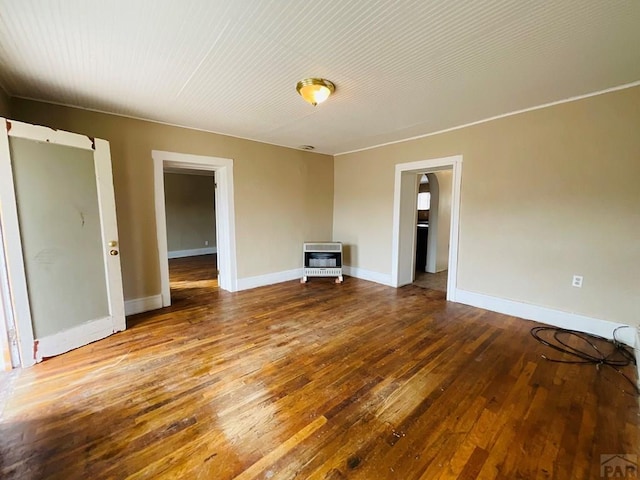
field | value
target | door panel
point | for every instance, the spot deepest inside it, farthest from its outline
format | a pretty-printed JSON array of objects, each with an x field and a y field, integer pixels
[
  {"x": 59, "y": 221},
  {"x": 61, "y": 247}
]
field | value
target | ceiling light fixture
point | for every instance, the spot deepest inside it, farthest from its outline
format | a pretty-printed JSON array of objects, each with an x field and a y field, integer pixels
[{"x": 315, "y": 90}]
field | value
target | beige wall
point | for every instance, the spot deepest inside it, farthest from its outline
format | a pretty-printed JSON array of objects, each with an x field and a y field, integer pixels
[
  {"x": 4, "y": 104},
  {"x": 282, "y": 196},
  {"x": 545, "y": 194},
  {"x": 189, "y": 207}
]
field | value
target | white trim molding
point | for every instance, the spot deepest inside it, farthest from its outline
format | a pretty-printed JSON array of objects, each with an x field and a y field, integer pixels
[
  {"x": 496, "y": 117},
  {"x": 141, "y": 305},
  {"x": 549, "y": 316},
  {"x": 269, "y": 279},
  {"x": 225, "y": 214},
  {"x": 361, "y": 273},
  {"x": 403, "y": 231},
  {"x": 9, "y": 341},
  {"x": 194, "y": 252},
  {"x": 371, "y": 147}
]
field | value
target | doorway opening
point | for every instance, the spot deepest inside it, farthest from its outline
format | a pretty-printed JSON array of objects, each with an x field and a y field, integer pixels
[
  {"x": 433, "y": 227},
  {"x": 405, "y": 221},
  {"x": 191, "y": 231},
  {"x": 212, "y": 168}
]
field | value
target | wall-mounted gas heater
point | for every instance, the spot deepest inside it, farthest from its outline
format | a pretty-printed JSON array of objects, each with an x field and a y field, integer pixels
[{"x": 322, "y": 259}]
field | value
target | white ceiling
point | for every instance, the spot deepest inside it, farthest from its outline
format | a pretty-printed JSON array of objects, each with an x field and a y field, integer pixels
[{"x": 401, "y": 68}]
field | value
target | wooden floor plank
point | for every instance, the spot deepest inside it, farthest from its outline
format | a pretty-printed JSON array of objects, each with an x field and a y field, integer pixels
[{"x": 313, "y": 381}]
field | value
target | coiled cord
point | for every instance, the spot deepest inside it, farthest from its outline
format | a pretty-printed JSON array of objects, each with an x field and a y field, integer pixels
[{"x": 597, "y": 350}]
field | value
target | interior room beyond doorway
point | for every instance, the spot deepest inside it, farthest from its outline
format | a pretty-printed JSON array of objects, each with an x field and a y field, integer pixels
[
  {"x": 189, "y": 276},
  {"x": 433, "y": 226},
  {"x": 191, "y": 231}
]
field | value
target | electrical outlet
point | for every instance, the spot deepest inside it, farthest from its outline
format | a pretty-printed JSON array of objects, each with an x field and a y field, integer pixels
[
  {"x": 206, "y": 242},
  {"x": 577, "y": 281}
]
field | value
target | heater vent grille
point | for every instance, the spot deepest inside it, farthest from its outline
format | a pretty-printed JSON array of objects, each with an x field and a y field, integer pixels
[
  {"x": 322, "y": 272},
  {"x": 323, "y": 247}
]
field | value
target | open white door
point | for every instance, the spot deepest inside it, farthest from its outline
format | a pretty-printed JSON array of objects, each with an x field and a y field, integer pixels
[{"x": 60, "y": 239}]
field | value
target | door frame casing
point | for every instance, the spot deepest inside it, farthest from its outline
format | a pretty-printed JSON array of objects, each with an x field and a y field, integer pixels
[
  {"x": 8, "y": 340},
  {"x": 403, "y": 233},
  {"x": 225, "y": 214},
  {"x": 18, "y": 321}
]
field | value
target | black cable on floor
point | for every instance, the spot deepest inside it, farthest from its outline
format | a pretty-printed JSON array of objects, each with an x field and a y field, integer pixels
[{"x": 592, "y": 349}]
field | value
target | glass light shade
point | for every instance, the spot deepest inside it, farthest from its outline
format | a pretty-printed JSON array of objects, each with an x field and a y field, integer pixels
[{"x": 315, "y": 90}]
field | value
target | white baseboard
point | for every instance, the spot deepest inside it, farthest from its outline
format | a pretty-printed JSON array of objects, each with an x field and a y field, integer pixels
[
  {"x": 549, "y": 316},
  {"x": 269, "y": 279},
  {"x": 383, "y": 278},
  {"x": 191, "y": 253},
  {"x": 144, "y": 304}
]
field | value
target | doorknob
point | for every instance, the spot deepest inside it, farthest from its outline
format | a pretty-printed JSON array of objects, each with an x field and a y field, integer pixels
[{"x": 113, "y": 252}]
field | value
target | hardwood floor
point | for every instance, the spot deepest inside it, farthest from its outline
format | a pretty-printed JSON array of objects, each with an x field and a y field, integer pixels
[
  {"x": 314, "y": 381},
  {"x": 190, "y": 276},
  {"x": 434, "y": 281},
  {"x": 187, "y": 270}
]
